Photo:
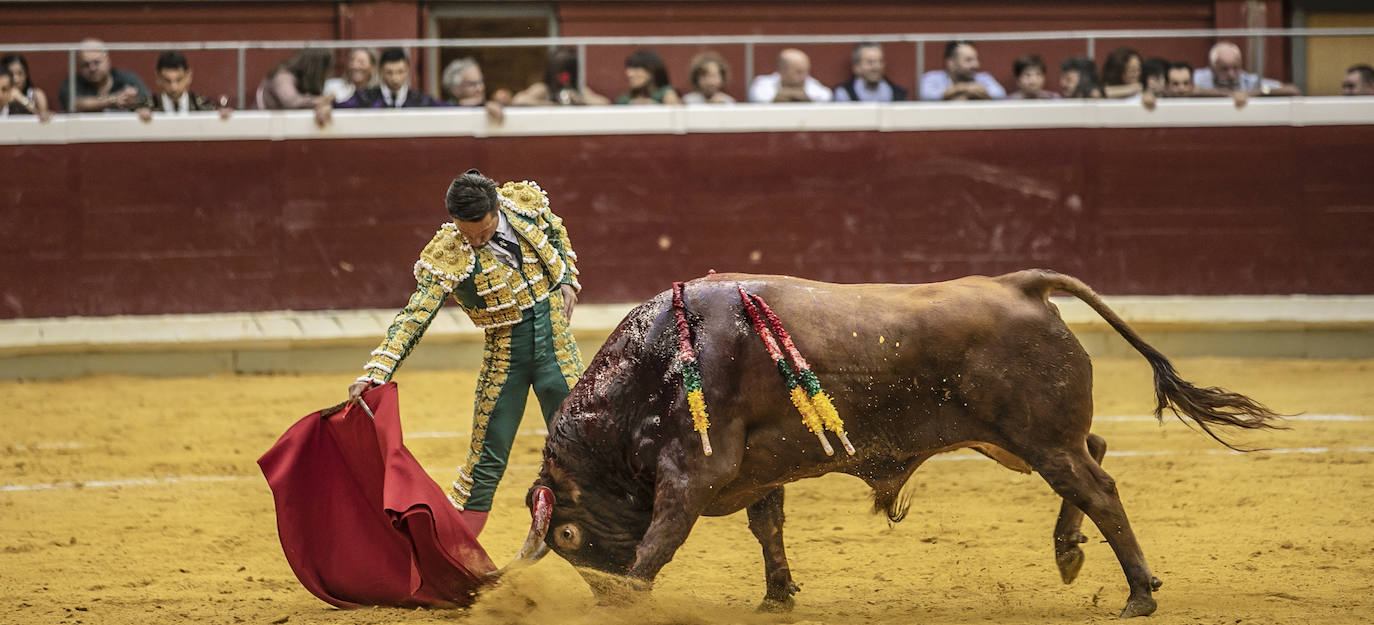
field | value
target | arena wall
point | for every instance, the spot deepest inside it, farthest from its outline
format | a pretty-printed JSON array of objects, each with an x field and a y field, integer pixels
[{"x": 107, "y": 216}]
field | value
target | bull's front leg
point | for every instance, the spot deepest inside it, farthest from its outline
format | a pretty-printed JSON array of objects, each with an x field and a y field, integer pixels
[
  {"x": 682, "y": 491},
  {"x": 765, "y": 520}
]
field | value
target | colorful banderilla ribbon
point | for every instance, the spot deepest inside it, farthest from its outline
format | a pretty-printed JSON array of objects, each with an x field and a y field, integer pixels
[
  {"x": 691, "y": 371},
  {"x": 817, "y": 411}
]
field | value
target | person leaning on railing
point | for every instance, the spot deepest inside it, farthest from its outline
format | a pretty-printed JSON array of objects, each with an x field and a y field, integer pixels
[
  {"x": 646, "y": 79},
  {"x": 1030, "y": 79},
  {"x": 465, "y": 85},
  {"x": 1224, "y": 77},
  {"x": 298, "y": 83},
  {"x": 1359, "y": 80},
  {"x": 33, "y": 99},
  {"x": 176, "y": 97},
  {"x": 708, "y": 73},
  {"x": 100, "y": 87},
  {"x": 559, "y": 86}
]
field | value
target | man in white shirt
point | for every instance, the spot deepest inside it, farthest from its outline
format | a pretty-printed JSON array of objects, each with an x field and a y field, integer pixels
[
  {"x": 791, "y": 83},
  {"x": 960, "y": 79},
  {"x": 175, "y": 97},
  {"x": 1224, "y": 77}
]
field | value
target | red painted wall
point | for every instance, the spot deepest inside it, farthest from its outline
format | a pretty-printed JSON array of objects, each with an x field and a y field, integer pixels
[{"x": 182, "y": 227}]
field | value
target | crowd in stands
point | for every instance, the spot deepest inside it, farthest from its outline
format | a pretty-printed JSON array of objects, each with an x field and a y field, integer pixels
[{"x": 372, "y": 80}]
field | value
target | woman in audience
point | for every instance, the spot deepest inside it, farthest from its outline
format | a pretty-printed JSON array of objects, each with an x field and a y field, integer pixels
[
  {"x": 298, "y": 82},
  {"x": 708, "y": 73},
  {"x": 24, "y": 93},
  {"x": 1030, "y": 78},
  {"x": 1121, "y": 73},
  {"x": 1078, "y": 78},
  {"x": 647, "y": 78},
  {"x": 360, "y": 73},
  {"x": 559, "y": 86}
]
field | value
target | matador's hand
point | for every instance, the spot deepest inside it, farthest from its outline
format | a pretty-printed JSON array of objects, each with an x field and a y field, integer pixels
[
  {"x": 355, "y": 391},
  {"x": 569, "y": 300}
]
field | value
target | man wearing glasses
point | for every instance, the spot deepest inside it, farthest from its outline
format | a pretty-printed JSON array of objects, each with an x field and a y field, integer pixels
[
  {"x": 100, "y": 87},
  {"x": 507, "y": 261}
]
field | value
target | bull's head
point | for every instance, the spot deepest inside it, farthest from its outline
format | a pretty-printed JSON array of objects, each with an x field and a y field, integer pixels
[{"x": 598, "y": 535}]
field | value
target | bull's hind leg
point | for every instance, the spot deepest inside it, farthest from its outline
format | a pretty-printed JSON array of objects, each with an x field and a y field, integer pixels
[
  {"x": 765, "y": 520},
  {"x": 1067, "y": 536},
  {"x": 1080, "y": 480}
]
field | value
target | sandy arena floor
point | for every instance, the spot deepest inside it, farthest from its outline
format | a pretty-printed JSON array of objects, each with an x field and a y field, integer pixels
[{"x": 129, "y": 500}]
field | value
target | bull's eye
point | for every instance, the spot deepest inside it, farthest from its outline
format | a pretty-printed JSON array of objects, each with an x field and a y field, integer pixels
[{"x": 568, "y": 536}]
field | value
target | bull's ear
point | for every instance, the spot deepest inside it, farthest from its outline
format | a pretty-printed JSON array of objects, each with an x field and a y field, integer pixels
[{"x": 563, "y": 481}]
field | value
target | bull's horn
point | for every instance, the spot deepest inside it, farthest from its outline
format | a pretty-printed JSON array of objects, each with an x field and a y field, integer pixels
[{"x": 534, "y": 548}]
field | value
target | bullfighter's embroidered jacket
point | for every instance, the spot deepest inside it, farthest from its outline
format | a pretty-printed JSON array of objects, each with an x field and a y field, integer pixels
[{"x": 493, "y": 294}]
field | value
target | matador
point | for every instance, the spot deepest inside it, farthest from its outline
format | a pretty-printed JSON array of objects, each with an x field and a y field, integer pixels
[{"x": 506, "y": 259}]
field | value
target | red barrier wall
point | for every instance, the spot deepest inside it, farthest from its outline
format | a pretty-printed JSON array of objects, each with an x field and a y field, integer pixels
[{"x": 185, "y": 227}]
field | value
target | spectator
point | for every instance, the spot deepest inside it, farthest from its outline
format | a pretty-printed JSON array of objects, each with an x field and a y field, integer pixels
[
  {"x": 360, "y": 73},
  {"x": 1359, "y": 80},
  {"x": 394, "y": 91},
  {"x": 1121, "y": 74},
  {"x": 1179, "y": 80},
  {"x": 33, "y": 99},
  {"x": 100, "y": 87},
  {"x": 560, "y": 85},
  {"x": 960, "y": 79},
  {"x": 297, "y": 83},
  {"x": 1078, "y": 78},
  {"x": 1153, "y": 75},
  {"x": 174, "y": 79},
  {"x": 1030, "y": 79},
  {"x": 792, "y": 82},
  {"x": 709, "y": 73},
  {"x": 465, "y": 86},
  {"x": 8, "y": 105},
  {"x": 867, "y": 83},
  {"x": 647, "y": 78},
  {"x": 1224, "y": 76}
]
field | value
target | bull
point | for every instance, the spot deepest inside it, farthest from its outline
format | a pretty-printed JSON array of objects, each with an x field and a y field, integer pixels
[{"x": 916, "y": 370}]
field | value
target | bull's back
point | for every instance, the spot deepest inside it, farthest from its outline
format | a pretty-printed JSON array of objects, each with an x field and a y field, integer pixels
[{"x": 908, "y": 365}]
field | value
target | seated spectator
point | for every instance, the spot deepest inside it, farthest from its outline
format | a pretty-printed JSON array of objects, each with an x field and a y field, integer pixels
[
  {"x": 1078, "y": 78},
  {"x": 792, "y": 82},
  {"x": 709, "y": 73},
  {"x": 1179, "y": 80},
  {"x": 360, "y": 73},
  {"x": 1359, "y": 80},
  {"x": 8, "y": 106},
  {"x": 1121, "y": 74},
  {"x": 174, "y": 79},
  {"x": 1153, "y": 75},
  {"x": 647, "y": 78},
  {"x": 866, "y": 82},
  {"x": 1224, "y": 76},
  {"x": 1030, "y": 79},
  {"x": 560, "y": 85},
  {"x": 394, "y": 91},
  {"x": 298, "y": 83},
  {"x": 960, "y": 79},
  {"x": 33, "y": 99},
  {"x": 99, "y": 87},
  {"x": 465, "y": 86}
]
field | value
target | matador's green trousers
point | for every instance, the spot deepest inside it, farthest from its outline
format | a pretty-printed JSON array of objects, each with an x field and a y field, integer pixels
[{"x": 538, "y": 352}]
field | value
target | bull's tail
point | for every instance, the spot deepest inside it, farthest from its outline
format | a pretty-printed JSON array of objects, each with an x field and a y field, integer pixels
[{"x": 1208, "y": 407}]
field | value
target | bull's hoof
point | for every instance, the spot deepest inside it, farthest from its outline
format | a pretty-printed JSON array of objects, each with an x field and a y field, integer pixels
[
  {"x": 780, "y": 600},
  {"x": 1142, "y": 605},
  {"x": 1070, "y": 562},
  {"x": 777, "y": 605}
]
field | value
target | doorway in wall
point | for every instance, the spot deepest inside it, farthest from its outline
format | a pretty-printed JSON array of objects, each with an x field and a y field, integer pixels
[{"x": 505, "y": 68}]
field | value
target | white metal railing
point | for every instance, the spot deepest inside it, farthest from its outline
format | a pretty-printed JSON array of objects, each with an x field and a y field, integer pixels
[{"x": 1089, "y": 37}]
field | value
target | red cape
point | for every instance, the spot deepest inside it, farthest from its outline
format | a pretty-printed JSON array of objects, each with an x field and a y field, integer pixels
[{"x": 361, "y": 523}]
